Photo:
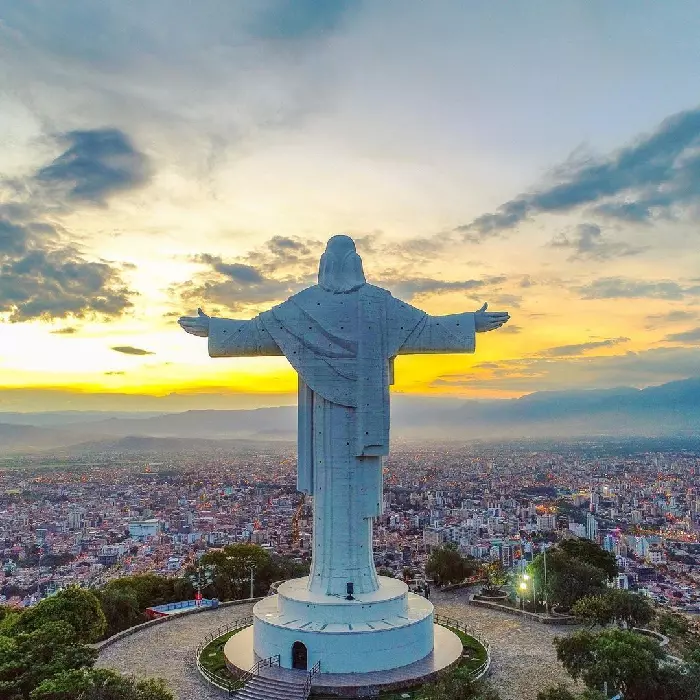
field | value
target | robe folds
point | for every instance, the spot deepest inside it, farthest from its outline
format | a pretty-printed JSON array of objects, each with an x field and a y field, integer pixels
[{"x": 342, "y": 346}]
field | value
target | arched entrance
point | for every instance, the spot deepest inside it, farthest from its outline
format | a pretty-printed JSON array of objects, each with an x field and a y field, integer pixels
[{"x": 299, "y": 656}]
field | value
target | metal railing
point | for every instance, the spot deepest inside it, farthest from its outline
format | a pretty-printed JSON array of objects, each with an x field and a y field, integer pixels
[
  {"x": 316, "y": 668},
  {"x": 254, "y": 670},
  {"x": 226, "y": 683},
  {"x": 452, "y": 622}
]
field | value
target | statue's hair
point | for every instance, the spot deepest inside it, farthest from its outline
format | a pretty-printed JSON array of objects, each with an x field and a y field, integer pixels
[{"x": 341, "y": 270}]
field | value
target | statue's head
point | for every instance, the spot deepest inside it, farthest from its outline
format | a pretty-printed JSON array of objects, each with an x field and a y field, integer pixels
[{"x": 341, "y": 270}]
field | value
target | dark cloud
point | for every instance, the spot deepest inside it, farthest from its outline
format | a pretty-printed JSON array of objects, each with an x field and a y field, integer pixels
[
  {"x": 43, "y": 274},
  {"x": 50, "y": 280},
  {"x": 510, "y": 330},
  {"x": 237, "y": 286},
  {"x": 410, "y": 288},
  {"x": 96, "y": 164},
  {"x": 644, "y": 181},
  {"x": 623, "y": 288},
  {"x": 674, "y": 316},
  {"x": 130, "y": 350},
  {"x": 243, "y": 274},
  {"x": 301, "y": 19},
  {"x": 690, "y": 336},
  {"x": 587, "y": 242},
  {"x": 67, "y": 330},
  {"x": 582, "y": 348},
  {"x": 111, "y": 374}
]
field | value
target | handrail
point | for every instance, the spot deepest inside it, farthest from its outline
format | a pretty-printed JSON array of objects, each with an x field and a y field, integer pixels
[
  {"x": 316, "y": 668},
  {"x": 462, "y": 626},
  {"x": 227, "y": 684},
  {"x": 254, "y": 670}
]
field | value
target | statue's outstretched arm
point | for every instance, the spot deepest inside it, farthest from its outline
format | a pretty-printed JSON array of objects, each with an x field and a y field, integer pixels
[
  {"x": 453, "y": 333},
  {"x": 229, "y": 337}
]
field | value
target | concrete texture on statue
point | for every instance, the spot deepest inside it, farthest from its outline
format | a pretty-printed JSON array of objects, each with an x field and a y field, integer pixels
[{"x": 341, "y": 336}]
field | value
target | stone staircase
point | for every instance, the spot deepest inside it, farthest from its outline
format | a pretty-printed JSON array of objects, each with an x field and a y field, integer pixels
[{"x": 261, "y": 688}]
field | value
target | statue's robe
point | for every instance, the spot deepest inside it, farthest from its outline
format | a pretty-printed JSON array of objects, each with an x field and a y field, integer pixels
[{"x": 342, "y": 346}]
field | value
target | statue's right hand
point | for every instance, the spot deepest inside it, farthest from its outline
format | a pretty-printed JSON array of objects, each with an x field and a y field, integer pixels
[{"x": 195, "y": 325}]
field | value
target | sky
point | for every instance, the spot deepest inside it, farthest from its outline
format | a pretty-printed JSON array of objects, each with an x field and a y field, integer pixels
[{"x": 165, "y": 155}]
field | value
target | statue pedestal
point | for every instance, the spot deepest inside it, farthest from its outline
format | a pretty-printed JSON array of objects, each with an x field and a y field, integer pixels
[{"x": 376, "y": 631}]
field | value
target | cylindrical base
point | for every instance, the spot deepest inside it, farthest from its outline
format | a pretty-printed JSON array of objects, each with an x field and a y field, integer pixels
[{"x": 382, "y": 630}]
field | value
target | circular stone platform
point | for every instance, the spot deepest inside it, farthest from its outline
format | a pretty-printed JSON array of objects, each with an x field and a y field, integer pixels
[
  {"x": 375, "y": 631},
  {"x": 446, "y": 652}
]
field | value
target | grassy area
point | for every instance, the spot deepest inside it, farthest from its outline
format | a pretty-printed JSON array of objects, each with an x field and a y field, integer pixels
[{"x": 212, "y": 659}]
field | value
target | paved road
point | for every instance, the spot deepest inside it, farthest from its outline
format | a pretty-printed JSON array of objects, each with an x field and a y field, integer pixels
[{"x": 524, "y": 660}]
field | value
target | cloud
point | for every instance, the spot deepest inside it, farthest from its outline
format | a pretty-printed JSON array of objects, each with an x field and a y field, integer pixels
[
  {"x": 582, "y": 348},
  {"x": 67, "y": 330},
  {"x": 649, "y": 179},
  {"x": 43, "y": 273},
  {"x": 239, "y": 286},
  {"x": 587, "y": 242},
  {"x": 637, "y": 369},
  {"x": 111, "y": 374},
  {"x": 411, "y": 288},
  {"x": 130, "y": 350},
  {"x": 510, "y": 330},
  {"x": 301, "y": 19},
  {"x": 691, "y": 336},
  {"x": 624, "y": 288},
  {"x": 52, "y": 280},
  {"x": 96, "y": 164}
]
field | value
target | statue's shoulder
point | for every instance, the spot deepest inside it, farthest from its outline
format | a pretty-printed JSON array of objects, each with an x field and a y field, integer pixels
[{"x": 373, "y": 290}]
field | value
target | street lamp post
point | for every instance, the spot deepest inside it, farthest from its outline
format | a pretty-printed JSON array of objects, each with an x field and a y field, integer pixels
[{"x": 523, "y": 588}]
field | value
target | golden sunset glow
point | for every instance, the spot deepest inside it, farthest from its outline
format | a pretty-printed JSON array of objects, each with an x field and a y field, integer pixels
[{"x": 135, "y": 187}]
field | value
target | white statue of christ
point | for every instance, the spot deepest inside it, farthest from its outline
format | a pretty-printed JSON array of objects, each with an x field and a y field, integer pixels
[{"x": 341, "y": 336}]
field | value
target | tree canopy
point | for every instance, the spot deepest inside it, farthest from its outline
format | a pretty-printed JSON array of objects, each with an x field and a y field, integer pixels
[
  {"x": 75, "y": 606},
  {"x": 614, "y": 606},
  {"x": 446, "y": 565},
  {"x": 591, "y": 553},
  {"x": 628, "y": 662},
  {"x": 100, "y": 684},
  {"x": 568, "y": 578}
]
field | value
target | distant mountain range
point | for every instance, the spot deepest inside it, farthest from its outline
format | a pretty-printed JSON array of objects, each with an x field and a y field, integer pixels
[{"x": 671, "y": 409}]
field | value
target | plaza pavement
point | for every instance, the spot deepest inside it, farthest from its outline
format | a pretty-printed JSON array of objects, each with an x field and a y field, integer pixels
[{"x": 524, "y": 660}]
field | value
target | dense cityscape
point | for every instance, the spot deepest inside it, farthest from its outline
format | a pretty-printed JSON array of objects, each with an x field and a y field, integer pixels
[{"x": 86, "y": 520}]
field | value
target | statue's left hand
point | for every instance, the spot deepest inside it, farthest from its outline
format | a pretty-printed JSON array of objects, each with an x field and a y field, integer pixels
[
  {"x": 195, "y": 325},
  {"x": 489, "y": 320}
]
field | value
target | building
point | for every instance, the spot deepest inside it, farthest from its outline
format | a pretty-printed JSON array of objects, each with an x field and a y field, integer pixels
[
  {"x": 142, "y": 529},
  {"x": 591, "y": 527}
]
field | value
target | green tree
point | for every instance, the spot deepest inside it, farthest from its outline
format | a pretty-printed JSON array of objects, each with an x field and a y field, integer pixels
[
  {"x": 496, "y": 577},
  {"x": 673, "y": 624},
  {"x": 121, "y": 609},
  {"x": 454, "y": 686},
  {"x": 561, "y": 692},
  {"x": 100, "y": 684},
  {"x": 568, "y": 578},
  {"x": 613, "y": 607},
  {"x": 78, "y": 607},
  {"x": 628, "y": 662},
  {"x": 446, "y": 565},
  {"x": 591, "y": 553},
  {"x": 231, "y": 570},
  {"x": 29, "y": 658}
]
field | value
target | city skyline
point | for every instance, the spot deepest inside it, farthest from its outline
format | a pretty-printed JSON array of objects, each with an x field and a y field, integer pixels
[{"x": 542, "y": 159}]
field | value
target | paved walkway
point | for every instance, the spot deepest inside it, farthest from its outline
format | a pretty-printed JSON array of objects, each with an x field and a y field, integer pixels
[
  {"x": 167, "y": 651},
  {"x": 524, "y": 660}
]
